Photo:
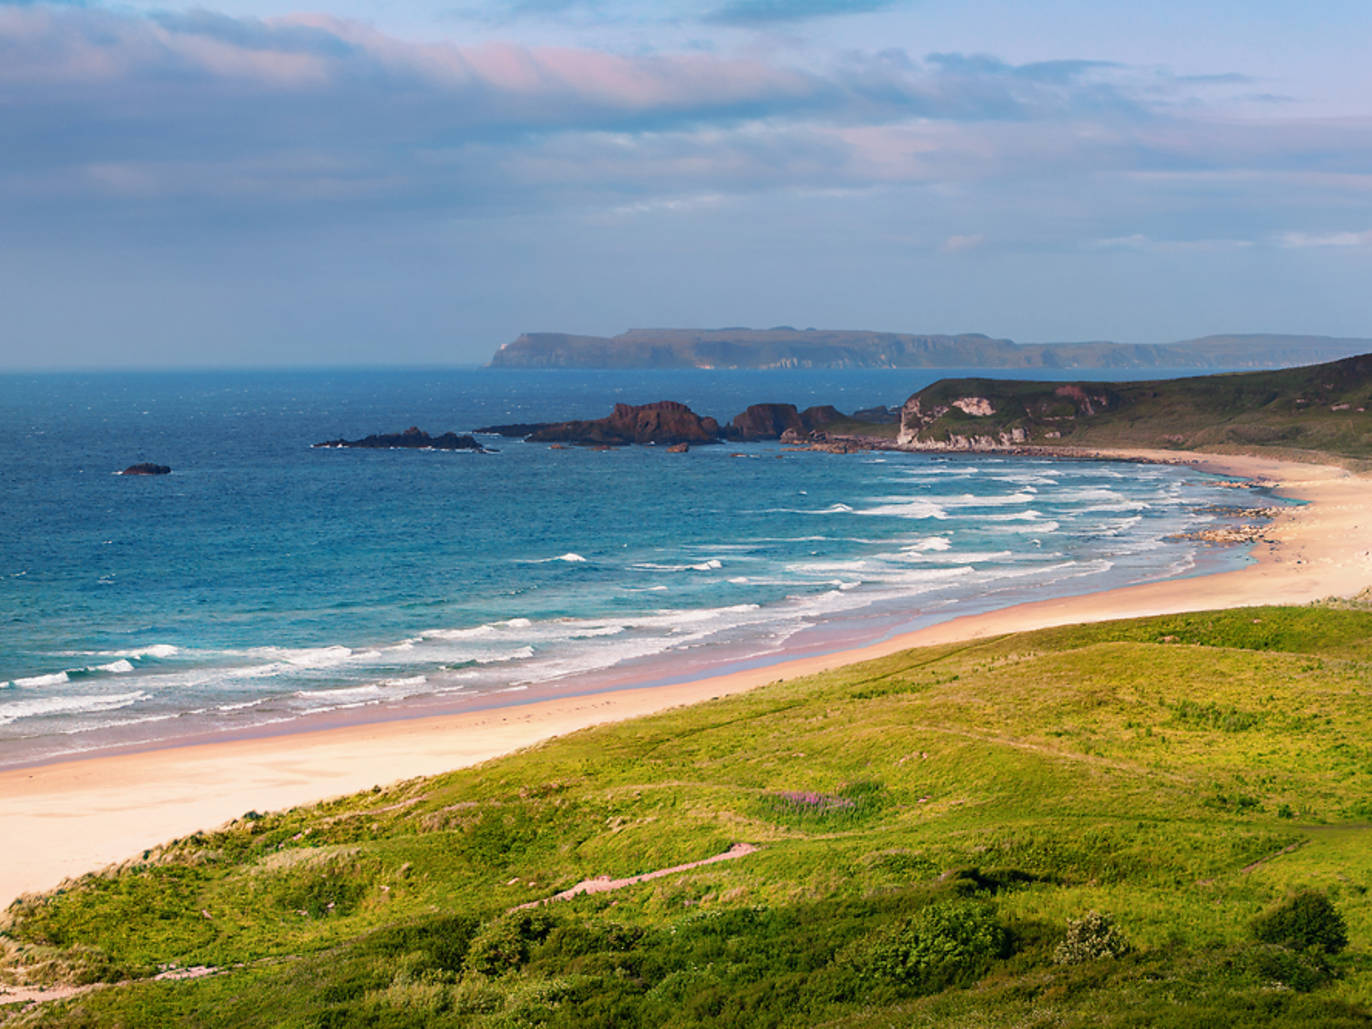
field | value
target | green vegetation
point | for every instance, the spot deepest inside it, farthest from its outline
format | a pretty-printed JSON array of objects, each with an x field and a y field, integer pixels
[
  {"x": 1161, "y": 821},
  {"x": 1316, "y": 409}
]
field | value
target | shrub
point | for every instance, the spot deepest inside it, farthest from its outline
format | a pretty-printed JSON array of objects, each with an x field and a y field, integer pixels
[
  {"x": 943, "y": 945},
  {"x": 1089, "y": 938},
  {"x": 1306, "y": 920},
  {"x": 503, "y": 946},
  {"x": 1301, "y": 971}
]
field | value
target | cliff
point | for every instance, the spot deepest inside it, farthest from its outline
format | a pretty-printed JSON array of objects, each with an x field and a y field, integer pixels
[
  {"x": 785, "y": 347},
  {"x": 1318, "y": 408}
]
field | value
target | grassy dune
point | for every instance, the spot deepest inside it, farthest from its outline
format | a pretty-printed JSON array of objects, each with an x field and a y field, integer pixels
[{"x": 928, "y": 825}]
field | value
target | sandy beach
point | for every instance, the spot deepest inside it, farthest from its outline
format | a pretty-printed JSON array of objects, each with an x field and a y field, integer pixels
[{"x": 63, "y": 819}]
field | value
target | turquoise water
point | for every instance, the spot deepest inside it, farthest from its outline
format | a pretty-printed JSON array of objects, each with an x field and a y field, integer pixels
[{"x": 264, "y": 582}]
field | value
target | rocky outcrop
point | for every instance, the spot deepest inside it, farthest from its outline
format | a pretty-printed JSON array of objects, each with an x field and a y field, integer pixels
[
  {"x": 679, "y": 448},
  {"x": 765, "y": 421},
  {"x": 412, "y": 438},
  {"x": 772, "y": 421},
  {"x": 827, "y": 444},
  {"x": 665, "y": 422},
  {"x": 146, "y": 468}
]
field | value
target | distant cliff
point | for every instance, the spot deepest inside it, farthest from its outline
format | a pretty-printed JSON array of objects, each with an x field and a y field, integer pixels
[{"x": 785, "y": 347}]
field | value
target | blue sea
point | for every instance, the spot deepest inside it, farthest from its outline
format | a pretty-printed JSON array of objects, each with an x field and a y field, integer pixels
[{"x": 264, "y": 582}]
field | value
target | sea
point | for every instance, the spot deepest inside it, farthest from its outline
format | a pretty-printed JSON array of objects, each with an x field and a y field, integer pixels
[{"x": 265, "y": 585}]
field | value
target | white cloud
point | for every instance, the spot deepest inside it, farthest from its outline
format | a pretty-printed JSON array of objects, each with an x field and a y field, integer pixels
[
  {"x": 1327, "y": 239},
  {"x": 957, "y": 244}
]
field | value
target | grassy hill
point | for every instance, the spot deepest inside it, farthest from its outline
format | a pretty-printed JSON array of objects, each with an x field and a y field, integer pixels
[
  {"x": 927, "y": 826},
  {"x": 1319, "y": 408}
]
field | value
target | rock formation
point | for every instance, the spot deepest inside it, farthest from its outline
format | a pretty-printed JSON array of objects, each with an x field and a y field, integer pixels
[
  {"x": 146, "y": 469},
  {"x": 772, "y": 421},
  {"x": 663, "y": 422},
  {"x": 412, "y": 438}
]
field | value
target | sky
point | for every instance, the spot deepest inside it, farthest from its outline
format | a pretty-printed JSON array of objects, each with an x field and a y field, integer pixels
[{"x": 256, "y": 184}]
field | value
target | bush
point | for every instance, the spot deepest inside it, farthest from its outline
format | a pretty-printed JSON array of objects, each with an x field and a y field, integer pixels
[
  {"x": 943, "y": 945},
  {"x": 503, "y": 946},
  {"x": 1301, "y": 971},
  {"x": 1306, "y": 920},
  {"x": 1089, "y": 938}
]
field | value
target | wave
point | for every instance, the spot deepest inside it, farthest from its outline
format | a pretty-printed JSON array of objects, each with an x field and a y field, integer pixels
[
  {"x": 1026, "y": 495},
  {"x": 53, "y": 679},
  {"x": 900, "y": 507},
  {"x": 1013, "y": 516},
  {"x": 39, "y": 706},
  {"x": 703, "y": 566},
  {"x": 1047, "y": 525},
  {"x": 570, "y": 558},
  {"x": 928, "y": 543},
  {"x": 155, "y": 650}
]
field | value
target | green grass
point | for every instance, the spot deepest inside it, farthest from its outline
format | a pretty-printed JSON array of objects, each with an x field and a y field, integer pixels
[
  {"x": 1181, "y": 775},
  {"x": 1320, "y": 411}
]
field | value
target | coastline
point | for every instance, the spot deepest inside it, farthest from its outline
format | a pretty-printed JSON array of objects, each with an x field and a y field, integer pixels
[{"x": 80, "y": 815}]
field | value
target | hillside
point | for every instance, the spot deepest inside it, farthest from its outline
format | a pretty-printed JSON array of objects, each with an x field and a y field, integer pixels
[
  {"x": 926, "y": 827},
  {"x": 1320, "y": 408},
  {"x": 785, "y": 347}
]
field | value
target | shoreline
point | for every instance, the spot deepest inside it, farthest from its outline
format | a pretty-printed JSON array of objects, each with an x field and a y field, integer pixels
[{"x": 79, "y": 815}]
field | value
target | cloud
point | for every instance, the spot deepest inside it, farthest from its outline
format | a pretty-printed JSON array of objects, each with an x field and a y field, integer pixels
[
  {"x": 1327, "y": 239},
  {"x": 194, "y": 121},
  {"x": 769, "y": 12},
  {"x": 958, "y": 244}
]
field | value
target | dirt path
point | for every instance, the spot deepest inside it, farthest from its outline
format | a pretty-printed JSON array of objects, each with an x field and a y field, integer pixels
[
  {"x": 604, "y": 884},
  {"x": 31, "y": 995}
]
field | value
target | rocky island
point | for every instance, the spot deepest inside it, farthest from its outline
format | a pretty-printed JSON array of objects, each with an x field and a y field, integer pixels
[
  {"x": 665, "y": 422},
  {"x": 412, "y": 438}
]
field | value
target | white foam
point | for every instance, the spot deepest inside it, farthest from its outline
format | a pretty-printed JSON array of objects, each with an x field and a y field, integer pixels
[
  {"x": 372, "y": 689},
  {"x": 1027, "y": 495},
  {"x": 53, "y": 679},
  {"x": 412, "y": 680},
  {"x": 928, "y": 543},
  {"x": 117, "y": 667},
  {"x": 1044, "y": 526},
  {"x": 702, "y": 566},
  {"x": 157, "y": 650},
  {"x": 39, "y": 706},
  {"x": 900, "y": 507}
]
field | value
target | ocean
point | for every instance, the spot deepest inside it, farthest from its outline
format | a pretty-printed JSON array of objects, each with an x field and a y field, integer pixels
[{"x": 265, "y": 585}]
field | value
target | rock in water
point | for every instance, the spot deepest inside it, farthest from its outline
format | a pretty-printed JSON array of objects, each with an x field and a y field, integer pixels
[
  {"x": 773, "y": 421},
  {"x": 678, "y": 448},
  {"x": 412, "y": 438},
  {"x": 146, "y": 468},
  {"x": 663, "y": 422},
  {"x": 765, "y": 421}
]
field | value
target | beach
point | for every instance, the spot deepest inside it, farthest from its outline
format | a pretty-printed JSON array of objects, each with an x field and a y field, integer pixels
[{"x": 71, "y": 817}]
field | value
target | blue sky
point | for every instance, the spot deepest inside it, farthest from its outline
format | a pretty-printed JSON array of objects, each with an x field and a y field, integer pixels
[{"x": 257, "y": 184}]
